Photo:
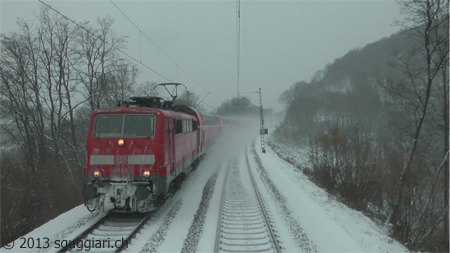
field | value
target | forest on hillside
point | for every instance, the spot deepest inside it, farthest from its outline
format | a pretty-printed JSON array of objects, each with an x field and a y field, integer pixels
[{"x": 376, "y": 122}]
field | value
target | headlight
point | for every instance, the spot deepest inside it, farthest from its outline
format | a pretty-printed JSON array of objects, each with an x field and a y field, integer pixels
[
  {"x": 96, "y": 173},
  {"x": 146, "y": 173},
  {"x": 121, "y": 142}
]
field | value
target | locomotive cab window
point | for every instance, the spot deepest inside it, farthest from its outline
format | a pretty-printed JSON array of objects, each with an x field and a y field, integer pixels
[
  {"x": 108, "y": 126},
  {"x": 138, "y": 126},
  {"x": 178, "y": 126},
  {"x": 124, "y": 126},
  {"x": 167, "y": 126}
]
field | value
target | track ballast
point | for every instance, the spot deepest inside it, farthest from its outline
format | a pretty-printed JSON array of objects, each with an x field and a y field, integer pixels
[
  {"x": 112, "y": 233},
  {"x": 244, "y": 223}
]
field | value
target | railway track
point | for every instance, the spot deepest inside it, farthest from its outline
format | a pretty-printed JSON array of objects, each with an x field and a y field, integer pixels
[
  {"x": 112, "y": 233},
  {"x": 244, "y": 224}
]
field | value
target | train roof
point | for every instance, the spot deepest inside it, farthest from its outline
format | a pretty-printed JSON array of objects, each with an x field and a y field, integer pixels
[
  {"x": 187, "y": 109},
  {"x": 121, "y": 110},
  {"x": 191, "y": 110}
]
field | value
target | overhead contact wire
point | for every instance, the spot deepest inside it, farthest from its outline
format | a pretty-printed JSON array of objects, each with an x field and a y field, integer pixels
[
  {"x": 162, "y": 51},
  {"x": 104, "y": 41}
]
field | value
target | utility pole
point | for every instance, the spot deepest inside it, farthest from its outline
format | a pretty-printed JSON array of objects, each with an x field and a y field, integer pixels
[
  {"x": 262, "y": 131},
  {"x": 189, "y": 99},
  {"x": 238, "y": 38}
]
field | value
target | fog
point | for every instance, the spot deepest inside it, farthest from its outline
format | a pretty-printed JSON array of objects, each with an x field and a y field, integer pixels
[{"x": 281, "y": 42}]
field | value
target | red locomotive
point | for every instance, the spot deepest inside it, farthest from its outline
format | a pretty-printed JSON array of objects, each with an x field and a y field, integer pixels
[{"x": 139, "y": 153}]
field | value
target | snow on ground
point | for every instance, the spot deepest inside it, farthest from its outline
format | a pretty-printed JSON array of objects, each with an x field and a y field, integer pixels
[
  {"x": 50, "y": 236},
  {"x": 190, "y": 194},
  {"x": 330, "y": 224},
  {"x": 305, "y": 216}
]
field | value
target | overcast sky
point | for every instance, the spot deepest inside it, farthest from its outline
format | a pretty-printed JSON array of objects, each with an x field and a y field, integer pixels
[{"x": 282, "y": 42}]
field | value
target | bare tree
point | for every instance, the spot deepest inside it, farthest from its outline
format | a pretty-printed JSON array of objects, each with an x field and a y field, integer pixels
[
  {"x": 56, "y": 40},
  {"x": 443, "y": 49},
  {"x": 43, "y": 70},
  {"x": 238, "y": 106},
  {"x": 149, "y": 89},
  {"x": 21, "y": 103},
  {"x": 99, "y": 57},
  {"x": 187, "y": 98},
  {"x": 421, "y": 65},
  {"x": 121, "y": 83},
  {"x": 24, "y": 107}
]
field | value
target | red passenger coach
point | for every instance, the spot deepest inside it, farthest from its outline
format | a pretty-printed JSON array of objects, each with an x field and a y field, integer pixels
[
  {"x": 139, "y": 153},
  {"x": 209, "y": 126}
]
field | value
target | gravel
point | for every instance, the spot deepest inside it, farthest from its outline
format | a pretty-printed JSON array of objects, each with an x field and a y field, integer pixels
[
  {"x": 299, "y": 236},
  {"x": 159, "y": 236},
  {"x": 190, "y": 244}
]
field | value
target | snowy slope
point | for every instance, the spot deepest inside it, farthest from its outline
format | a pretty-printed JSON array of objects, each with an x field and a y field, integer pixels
[
  {"x": 330, "y": 224},
  {"x": 306, "y": 218}
]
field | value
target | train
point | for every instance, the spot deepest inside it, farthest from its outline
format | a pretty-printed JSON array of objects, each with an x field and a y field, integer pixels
[{"x": 140, "y": 152}]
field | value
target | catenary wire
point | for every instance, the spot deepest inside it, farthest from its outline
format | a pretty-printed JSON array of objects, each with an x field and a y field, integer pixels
[
  {"x": 162, "y": 51},
  {"x": 82, "y": 27}
]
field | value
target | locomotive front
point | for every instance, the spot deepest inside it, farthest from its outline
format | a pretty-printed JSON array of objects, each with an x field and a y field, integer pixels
[{"x": 125, "y": 159}]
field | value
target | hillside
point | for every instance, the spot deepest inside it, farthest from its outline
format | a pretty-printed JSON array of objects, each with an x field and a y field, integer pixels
[{"x": 360, "y": 117}]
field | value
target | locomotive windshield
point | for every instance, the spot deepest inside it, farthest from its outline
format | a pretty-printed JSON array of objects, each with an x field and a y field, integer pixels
[{"x": 123, "y": 126}]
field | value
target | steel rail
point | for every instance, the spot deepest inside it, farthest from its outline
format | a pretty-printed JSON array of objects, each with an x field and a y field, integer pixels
[
  {"x": 86, "y": 232},
  {"x": 219, "y": 220},
  {"x": 264, "y": 211},
  {"x": 243, "y": 224},
  {"x": 115, "y": 225}
]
